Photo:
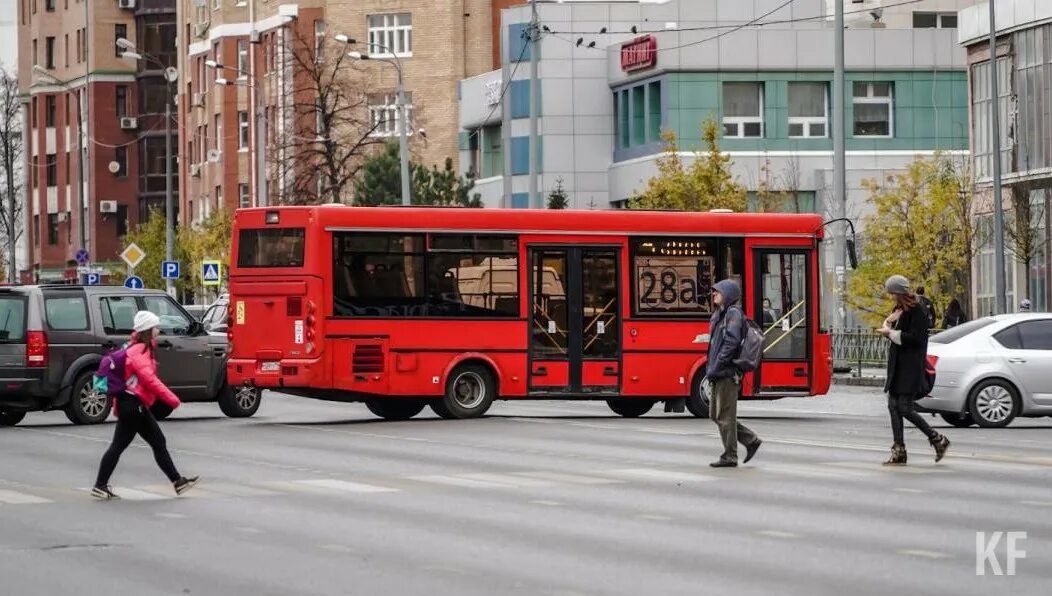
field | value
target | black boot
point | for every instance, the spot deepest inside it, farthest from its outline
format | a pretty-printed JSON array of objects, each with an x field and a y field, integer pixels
[
  {"x": 898, "y": 455},
  {"x": 940, "y": 443}
]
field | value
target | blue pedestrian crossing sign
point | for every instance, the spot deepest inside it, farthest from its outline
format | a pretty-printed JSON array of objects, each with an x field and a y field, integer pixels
[
  {"x": 211, "y": 273},
  {"x": 93, "y": 279},
  {"x": 170, "y": 270},
  {"x": 134, "y": 282}
]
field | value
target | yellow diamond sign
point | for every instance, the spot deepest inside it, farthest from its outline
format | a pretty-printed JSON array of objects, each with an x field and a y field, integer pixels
[{"x": 133, "y": 255}]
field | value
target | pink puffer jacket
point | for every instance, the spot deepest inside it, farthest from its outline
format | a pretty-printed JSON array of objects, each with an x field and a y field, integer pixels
[{"x": 140, "y": 372}]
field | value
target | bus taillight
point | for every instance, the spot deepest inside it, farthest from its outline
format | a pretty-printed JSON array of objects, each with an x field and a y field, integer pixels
[{"x": 310, "y": 323}]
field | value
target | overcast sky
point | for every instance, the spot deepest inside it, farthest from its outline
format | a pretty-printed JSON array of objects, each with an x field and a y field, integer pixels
[{"x": 9, "y": 40}]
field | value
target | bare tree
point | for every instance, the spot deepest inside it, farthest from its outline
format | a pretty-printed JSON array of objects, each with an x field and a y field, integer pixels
[
  {"x": 1023, "y": 229},
  {"x": 11, "y": 146},
  {"x": 328, "y": 130}
]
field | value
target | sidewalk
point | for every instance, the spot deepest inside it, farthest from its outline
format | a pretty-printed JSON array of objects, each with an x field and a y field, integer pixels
[{"x": 870, "y": 377}]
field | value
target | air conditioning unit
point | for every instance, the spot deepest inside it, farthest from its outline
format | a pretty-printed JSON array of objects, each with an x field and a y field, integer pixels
[
  {"x": 129, "y": 4},
  {"x": 214, "y": 155},
  {"x": 129, "y": 123},
  {"x": 198, "y": 99},
  {"x": 63, "y": 216},
  {"x": 107, "y": 206},
  {"x": 195, "y": 170}
]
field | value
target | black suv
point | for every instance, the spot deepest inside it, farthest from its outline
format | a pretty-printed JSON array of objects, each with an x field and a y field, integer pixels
[{"x": 52, "y": 339}]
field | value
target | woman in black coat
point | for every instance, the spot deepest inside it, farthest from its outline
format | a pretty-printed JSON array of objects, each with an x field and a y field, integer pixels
[
  {"x": 907, "y": 328},
  {"x": 954, "y": 315}
]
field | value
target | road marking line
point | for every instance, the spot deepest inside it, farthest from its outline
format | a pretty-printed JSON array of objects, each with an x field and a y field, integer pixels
[
  {"x": 653, "y": 517},
  {"x": 346, "y": 486},
  {"x": 1037, "y": 503},
  {"x": 815, "y": 471},
  {"x": 914, "y": 491},
  {"x": 777, "y": 534},
  {"x": 456, "y": 481},
  {"x": 876, "y": 467},
  {"x": 172, "y": 515},
  {"x": 927, "y": 554},
  {"x": 337, "y": 548},
  {"x": 133, "y": 494},
  {"x": 568, "y": 478},
  {"x": 237, "y": 490},
  {"x": 16, "y": 498},
  {"x": 248, "y": 530},
  {"x": 508, "y": 480},
  {"x": 655, "y": 474},
  {"x": 546, "y": 502}
]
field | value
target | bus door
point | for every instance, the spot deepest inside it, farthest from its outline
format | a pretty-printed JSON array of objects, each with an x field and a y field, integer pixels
[
  {"x": 782, "y": 307},
  {"x": 575, "y": 322}
]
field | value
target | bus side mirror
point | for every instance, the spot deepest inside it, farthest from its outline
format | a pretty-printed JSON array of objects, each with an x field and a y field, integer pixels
[{"x": 852, "y": 257}]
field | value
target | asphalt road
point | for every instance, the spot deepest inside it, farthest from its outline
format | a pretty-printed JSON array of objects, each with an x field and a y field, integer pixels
[{"x": 547, "y": 498}]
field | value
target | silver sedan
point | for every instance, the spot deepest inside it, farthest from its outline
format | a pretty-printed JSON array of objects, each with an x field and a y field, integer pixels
[{"x": 990, "y": 370}]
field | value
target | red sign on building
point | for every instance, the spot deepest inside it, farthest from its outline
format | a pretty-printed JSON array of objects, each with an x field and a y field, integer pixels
[{"x": 639, "y": 54}]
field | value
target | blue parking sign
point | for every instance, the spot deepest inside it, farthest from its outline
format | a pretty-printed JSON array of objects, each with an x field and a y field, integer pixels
[
  {"x": 93, "y": 279},
  {"x": 134, "y": 282},
  {"x": 170, "y": 270}
]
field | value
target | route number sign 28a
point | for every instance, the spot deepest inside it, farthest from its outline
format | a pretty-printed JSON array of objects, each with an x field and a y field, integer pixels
[{"x": 674, "y": 285}]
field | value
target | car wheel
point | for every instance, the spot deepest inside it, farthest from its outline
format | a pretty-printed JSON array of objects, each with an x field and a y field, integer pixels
[
  {"x": 957, "y": 419},
  {"x": 10, "y": 417},
  {"x": 395, "y": 408},
  {"x": 698, "y": 403},
  {"x": 631, "y": 407},
  {"x": 240, "y": 402},
  {"x": 86, "y": 405},
  {"x": 470, "y": 391},
  {"x": 993, "y": 403}
]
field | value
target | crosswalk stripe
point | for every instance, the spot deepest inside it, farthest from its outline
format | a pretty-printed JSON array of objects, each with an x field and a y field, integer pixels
[
  {"x": 876, "y": 467},
  {"x": 238, "y": 490},
  {"x": 133, "y": 494},
  {"x": 656, "y": 474},
  {"x": 508, "y": 480},
  {"x": 568, "y": 478},
  {"x": 807, "y": 471},
  {"x": 347, "y": 486},
  {"x": 16, "y": 498},
  {"x": 456, "y": 481}
]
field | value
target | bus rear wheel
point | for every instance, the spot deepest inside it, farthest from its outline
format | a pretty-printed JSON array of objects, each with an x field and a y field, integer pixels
[
  {"x": 470, "y": 391},
  {"x": 630, "y": 407},
  {"x": 698, "y": 402},
  {"x": 395, "y": 408}
]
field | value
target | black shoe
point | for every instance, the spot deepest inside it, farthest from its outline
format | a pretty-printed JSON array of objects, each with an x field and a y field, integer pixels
[
  {"x": 941, "y": 444},
  {"x": 184, "y": 484},
  {"x": 103, "y": 493},
  {"x": 724, "y": 463},
  {"x": 751, "y": 449},
  {"x": 898, "y": 455}
]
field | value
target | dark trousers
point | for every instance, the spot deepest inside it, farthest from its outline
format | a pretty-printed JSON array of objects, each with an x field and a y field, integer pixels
[
  {"x": 901, "y": 407},
  {"x": 723, "y": 410},
  {"x": 133, "y": 418}
]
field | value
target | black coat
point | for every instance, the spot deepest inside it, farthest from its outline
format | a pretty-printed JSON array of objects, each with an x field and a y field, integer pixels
[{"x": 906, "y": 362}]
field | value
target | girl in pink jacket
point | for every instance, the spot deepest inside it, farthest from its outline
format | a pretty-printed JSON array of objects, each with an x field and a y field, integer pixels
[{"x": 143, "y": 390}]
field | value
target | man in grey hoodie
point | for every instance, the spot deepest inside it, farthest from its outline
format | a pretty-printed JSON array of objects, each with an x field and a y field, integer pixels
[{"x": 724, "y": 378}]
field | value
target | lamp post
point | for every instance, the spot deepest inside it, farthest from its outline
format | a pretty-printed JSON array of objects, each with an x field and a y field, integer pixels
[
  {"x": 257, "y": 173},
  {"x": 403, "y": 119},
  {"x": 84, "y": 208},
  {"x": 170, "y": 76}
]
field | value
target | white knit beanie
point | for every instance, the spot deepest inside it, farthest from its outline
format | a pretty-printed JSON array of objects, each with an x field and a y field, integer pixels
[{"x": 145, "y": 320}]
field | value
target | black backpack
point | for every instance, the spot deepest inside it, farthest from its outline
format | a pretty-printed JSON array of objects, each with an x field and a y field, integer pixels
[{"x": 751, "y": 350}]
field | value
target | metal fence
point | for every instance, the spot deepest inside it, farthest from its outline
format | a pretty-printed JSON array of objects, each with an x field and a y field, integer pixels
[{"x": 858, "y": 348}]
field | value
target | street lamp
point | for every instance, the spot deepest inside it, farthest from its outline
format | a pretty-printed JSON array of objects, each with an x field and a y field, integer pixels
[
  {"x": 81, "y": 191},
  {"x": 258, "y": 170},
  {"x": 403, "y": 119},
  {"x": 170, "y": 76}
]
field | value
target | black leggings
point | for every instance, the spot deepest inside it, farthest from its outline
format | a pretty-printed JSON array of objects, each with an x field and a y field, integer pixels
[
  {"x": 133, "y": 418},
  {"x": 901, "y": 406}
]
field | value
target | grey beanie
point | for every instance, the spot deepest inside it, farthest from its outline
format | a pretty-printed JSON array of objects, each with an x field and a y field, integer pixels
[{"x": 897, "y": 284}]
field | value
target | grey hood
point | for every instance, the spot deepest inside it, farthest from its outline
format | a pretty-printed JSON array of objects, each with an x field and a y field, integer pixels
[{"x": 730, "y": 291}]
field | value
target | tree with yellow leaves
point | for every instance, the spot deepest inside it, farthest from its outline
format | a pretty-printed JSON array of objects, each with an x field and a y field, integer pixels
[
  {"x": 917, "y": 230},
  {"x": 208, "y": 240},
  {"x": 706, "y": 184}
]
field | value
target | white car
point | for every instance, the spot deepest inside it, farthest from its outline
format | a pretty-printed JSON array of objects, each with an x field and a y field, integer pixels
[{"x": 990, "y": 370}]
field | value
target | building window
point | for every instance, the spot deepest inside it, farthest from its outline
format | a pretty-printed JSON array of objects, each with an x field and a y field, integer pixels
[
  {"x": 66, "y": 49},
  {"x": 982, "y": 104},
  {"x": 874, "y": 114},
  {"x": 218, "y": 128},
  {"x": 52, "y": 169},
  {"x": 36, "y": 57},
  {"x": 932, "y": 20},
  {"x": 122, "y": 100},
  {"x": 242, "y": 58},
  {"x": 383, "y": 114},
  {"x": 242, "y": 130},
  {"x": 808, "y": 110},
  {"x": 120, "y": 155},
  {"x": 49, "y": 111},
  {"x": 243, "y": 199},
  {"x": 122, "y": 221},
  {"x": 152, "y": 166},
  {"x": 319, "y": 41},
  {"x": 78, "y": 46},
  {"x": 1032, "y": 101},
  {"x": 49, "y": 5},
  {"x": 49, "y": 52},
  {"x": 120, "y": 31},
  {"x": 52, "y": 228},
  {"x": 391, "y": 34},
  {"x": 743, "y": 110},
  {"x": 154, "y": 95},
  {"x": 218, "y": 202},
  {"x": 637, "y": 115},
  {"x": 157, "y": 37}
]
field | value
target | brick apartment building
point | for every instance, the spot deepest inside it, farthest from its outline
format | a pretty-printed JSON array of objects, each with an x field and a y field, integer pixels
[
  {"x": 69, "y": 61},
  {"x": 255, "y": 41}
]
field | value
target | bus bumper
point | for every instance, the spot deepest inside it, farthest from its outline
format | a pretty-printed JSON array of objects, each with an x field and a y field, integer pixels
[{"x": 274, "y": 374}]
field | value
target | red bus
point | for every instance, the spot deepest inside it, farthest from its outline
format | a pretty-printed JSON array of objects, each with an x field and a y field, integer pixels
[{"x": 402, "y": 308}]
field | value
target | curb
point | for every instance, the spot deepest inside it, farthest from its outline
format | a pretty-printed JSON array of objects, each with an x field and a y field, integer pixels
[{"x": 859, "y": 381}]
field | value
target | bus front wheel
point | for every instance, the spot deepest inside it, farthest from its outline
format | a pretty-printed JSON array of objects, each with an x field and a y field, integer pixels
[
  {"x": 470, "y": 391},
  {"x": 395, "y": 408},
  {"x": 698, "y": 402},
  {"x": 630, "y": 407}
]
